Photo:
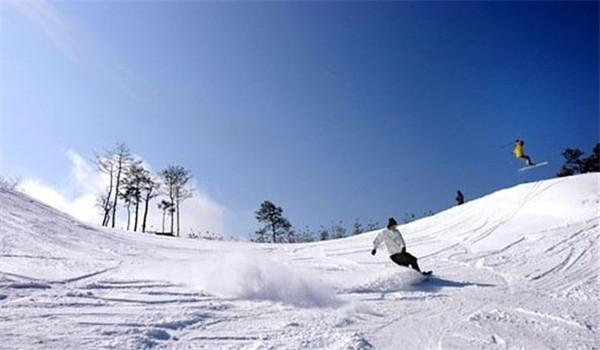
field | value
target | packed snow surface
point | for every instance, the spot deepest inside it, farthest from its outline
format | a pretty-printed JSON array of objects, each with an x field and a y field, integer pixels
[{"x": 515, "y": 269}]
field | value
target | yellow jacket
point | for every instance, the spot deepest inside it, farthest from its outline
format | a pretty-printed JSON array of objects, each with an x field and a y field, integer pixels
[{"x": 518, "y": 151}]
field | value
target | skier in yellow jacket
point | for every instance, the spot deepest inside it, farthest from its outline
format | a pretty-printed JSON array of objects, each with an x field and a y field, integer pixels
[{"x": 519, "y": 152}]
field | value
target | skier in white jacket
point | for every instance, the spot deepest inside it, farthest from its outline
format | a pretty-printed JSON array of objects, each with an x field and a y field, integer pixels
[{"x": 396, "y": 247}]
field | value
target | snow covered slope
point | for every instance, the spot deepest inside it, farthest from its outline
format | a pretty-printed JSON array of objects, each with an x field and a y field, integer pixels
[{"x": 515, "y": 269}]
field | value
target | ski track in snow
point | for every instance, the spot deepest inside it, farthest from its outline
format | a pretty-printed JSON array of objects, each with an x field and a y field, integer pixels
[{"x": 515, "y": 269}]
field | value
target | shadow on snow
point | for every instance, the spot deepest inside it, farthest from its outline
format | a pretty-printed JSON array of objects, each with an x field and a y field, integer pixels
[{"x": 435, "y": 284}]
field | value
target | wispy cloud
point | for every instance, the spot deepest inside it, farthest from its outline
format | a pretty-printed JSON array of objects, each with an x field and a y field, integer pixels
[
  {"x": 79, "y": 46},
  {"x": 45, "y": 17},
  {"x": 78, "y": 195}
]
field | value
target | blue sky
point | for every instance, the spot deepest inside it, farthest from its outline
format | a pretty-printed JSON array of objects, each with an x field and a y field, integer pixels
[{"x": 331, "y": 110}]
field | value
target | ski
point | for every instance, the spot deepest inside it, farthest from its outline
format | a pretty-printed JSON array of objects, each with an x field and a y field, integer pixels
[{"x": 533, "y": 166}]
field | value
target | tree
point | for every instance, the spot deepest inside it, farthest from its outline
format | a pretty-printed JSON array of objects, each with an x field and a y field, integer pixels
[
  {"x": 122, "y": 158},
  {"x": 592, "y": 163},
  {"x": 305, "y": 235},
  {"x": 275, "y": 223},
  {"x": 575, "y": 165},
  {"x": 338, "y": 231},
  {"x": 128, "y": 196},
  {"x": 372, "y": 226},
  {"x": 412, "y": 216},
  {"x": 564, "y": 171},
  {"x": 149, "y": 190},
  {"x": 261, "y": 236},
  {"x": 135, "y": 182},
  {"x": 175, "y": 178},
  {"x": 357, "y": 228},
  {"x": 207, "y": 235},
  {"x": 290, "y": 236},
  {"x": 113, "y": 164},
  {"x": 104, "y": 203},
  {"x": 324, "y": 233},
  {"x": 105, "y": 164},
  {"x": 165, "y": 206}
]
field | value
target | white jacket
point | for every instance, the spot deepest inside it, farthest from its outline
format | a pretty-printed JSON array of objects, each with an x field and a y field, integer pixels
[{"x": 393, "y": 241}]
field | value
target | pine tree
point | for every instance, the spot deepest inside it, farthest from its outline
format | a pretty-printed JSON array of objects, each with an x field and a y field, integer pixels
[
  {"x": 575, "y": 165},
  {"x": 275, "y": 224}
]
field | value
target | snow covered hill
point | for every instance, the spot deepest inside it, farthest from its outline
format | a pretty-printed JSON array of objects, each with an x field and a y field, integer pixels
[{"x": 515, "y": 269}]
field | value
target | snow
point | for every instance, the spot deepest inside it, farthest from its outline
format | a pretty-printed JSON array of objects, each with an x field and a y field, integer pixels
[{"x": 515, "y": 269}]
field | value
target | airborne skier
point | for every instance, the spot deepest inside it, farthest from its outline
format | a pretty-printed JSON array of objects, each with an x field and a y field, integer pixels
[{"x": 519, "y": 152}]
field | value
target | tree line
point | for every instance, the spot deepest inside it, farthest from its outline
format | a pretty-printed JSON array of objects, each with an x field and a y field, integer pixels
[
  {"x": 131, "y": 186},
  {"x": 277, "y": 229},
  {"x": 575, "y": 164}
]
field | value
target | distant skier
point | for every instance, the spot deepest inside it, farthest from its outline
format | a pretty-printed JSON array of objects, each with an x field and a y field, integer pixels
[
  {"x": 396, "y": 247},
  {"x": 460, "y": 199},
  {"x": 519, "y": 152}
]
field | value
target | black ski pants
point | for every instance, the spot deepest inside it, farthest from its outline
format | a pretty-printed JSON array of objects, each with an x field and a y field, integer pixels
[
  {"x": 527, "y": 159},
  {"x": 405, "y": 259}
]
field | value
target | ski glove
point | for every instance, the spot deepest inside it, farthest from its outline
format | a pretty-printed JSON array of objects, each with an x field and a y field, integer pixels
[{"x": 373, "y": 251}]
